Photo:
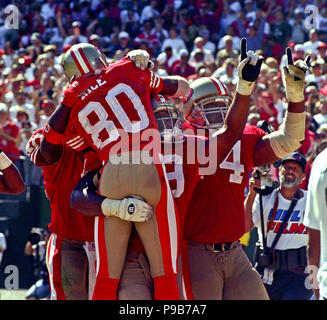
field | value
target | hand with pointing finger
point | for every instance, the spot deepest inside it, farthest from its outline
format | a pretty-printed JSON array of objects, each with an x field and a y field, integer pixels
[
  {"x": 293, "y": 77},
  {"x": 248, "y": 69}
]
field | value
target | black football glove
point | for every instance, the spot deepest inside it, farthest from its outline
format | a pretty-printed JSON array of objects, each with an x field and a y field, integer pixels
[{"x": 248, "y": 69}]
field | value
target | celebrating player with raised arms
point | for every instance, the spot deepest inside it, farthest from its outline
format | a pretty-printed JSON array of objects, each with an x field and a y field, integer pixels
[{"x": 214, "y": 220}]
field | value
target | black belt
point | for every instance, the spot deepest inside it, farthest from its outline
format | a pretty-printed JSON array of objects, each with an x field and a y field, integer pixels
[{"x": 219, "y": 246}]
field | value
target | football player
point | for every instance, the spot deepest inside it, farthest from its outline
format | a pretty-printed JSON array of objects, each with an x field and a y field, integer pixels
[
  {"x": 11, "y": 181},
  {"x": 110, "y": 106},
  {"x": 214, "y": 220},
  {"x": 71, "y": 250}
]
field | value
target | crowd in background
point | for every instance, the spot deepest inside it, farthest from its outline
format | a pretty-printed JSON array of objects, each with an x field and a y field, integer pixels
[{"x": 191, "y": 38}]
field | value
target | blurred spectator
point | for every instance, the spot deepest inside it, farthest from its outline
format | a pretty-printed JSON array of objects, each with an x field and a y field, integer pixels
[
  {"x": 17, "y": 84},
  {"x": 8, "y": 55},
  {"x": 159, "y": 69},
  {"x": 47, "y": 108},
  {"x": 299, "y": 52},
  {"x": 322, "y": 51},
  {"x": 266, "y": 105},
  {"x": 22, "y": 104},
  {"x": 51, "y": 33},
  {"x": 201, "y": 71},
  {"x": 229, "y": 16},
  {"x": 253, "y": 34},
  {"x": 227, "y": 48},
  {"x": 253, "y": 119},
  {"x": 159, "y": 30},
  {"x": 129, "y": 15},
  {"x": 230, "y": 72},
  {"x": 76, "y": 37},
  {"x": 48, "y": 10},
  {"x": 274, "y": 49},
  {"x": 124, "y": 41},
  {"x": 183, "y": 68},
  {"x": 313, "y": 43},
  {"x": 208, "y": 58},
  {"x": 207, "y": 44},
  {"x": 323, "y": 23},
  {"x": 281, "y": 30},
  {"x": 321, "y": 109},
  {"x": 8, "y": 137},
  {"x": 149, "y": 11},
  {"x": 173, "y": 41},
  {"x": 311, "y": 97},
  {"x": 308, "y": 144},
  {"x": 207, "y": 17},
  {"x": 36, "y": 47},
  {"x": 169, "y": 58},
  {"x": 299, "y": 31},
  {"x": 148, "y": 37},
  {"x": 130, "y": 22},
  {"x": 317, "y": 75},
  {"x": 321, "y": 133}
]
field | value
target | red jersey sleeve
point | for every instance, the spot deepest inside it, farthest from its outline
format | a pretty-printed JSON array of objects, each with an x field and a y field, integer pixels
[
  {"x": 72, "y": 139},
  {"x": 154, "y": 81}
]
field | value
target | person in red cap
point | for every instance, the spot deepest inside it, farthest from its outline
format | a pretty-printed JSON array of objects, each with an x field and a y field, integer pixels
[{"x": 322, "y": 51}]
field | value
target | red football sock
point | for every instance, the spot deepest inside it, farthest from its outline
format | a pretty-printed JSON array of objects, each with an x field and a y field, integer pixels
[
  {"x": 105, "y": 289},
  {"x": 165, "y": 288}
]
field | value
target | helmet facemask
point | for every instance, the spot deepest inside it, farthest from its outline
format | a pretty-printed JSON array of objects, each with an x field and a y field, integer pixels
[
  {"x": 170, "y": 122},
  {"x": 212, "y": 111}
]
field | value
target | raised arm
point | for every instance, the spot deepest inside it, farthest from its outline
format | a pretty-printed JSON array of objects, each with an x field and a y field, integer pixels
[
  {"x": 51, "y": 146},
  {"x": 290, "y": 136},
  {"x": 232, "y": 130}
]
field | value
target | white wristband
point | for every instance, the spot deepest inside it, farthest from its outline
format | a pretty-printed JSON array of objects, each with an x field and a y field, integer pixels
[
  {"x": 244, "y": 87},
  {"x": 5, "y": 162},
  {"x": 110, "y": 207}
]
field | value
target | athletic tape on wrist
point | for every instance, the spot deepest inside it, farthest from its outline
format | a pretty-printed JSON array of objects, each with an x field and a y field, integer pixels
[
  {"x": 110, "y": 207},
  {"x": 5, "y": 162},
  {"x": 244, "y": 87},
  {"x": 288, "y": 138},
  {"x": 52, "y": 136}
]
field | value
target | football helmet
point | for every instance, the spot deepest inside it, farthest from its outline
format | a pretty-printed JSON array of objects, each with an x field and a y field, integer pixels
[
  {"x": 82, "y": 59},
  {"x": 168, "y": 117},
  {"x": 206, "y": 105}
]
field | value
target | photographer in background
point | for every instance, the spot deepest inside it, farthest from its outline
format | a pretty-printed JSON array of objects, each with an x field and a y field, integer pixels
[
  {"x": 36, "y": 246},
  {"x": 281, "y": 257}
]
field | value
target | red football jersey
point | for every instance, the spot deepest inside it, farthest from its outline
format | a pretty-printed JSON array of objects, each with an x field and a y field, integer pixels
[
  {"x": 59, "y": 181},
  {"x": 113, "y": 107},
  {"x": 216, "y": 211},
  {"x": 183, "y": 172}
]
